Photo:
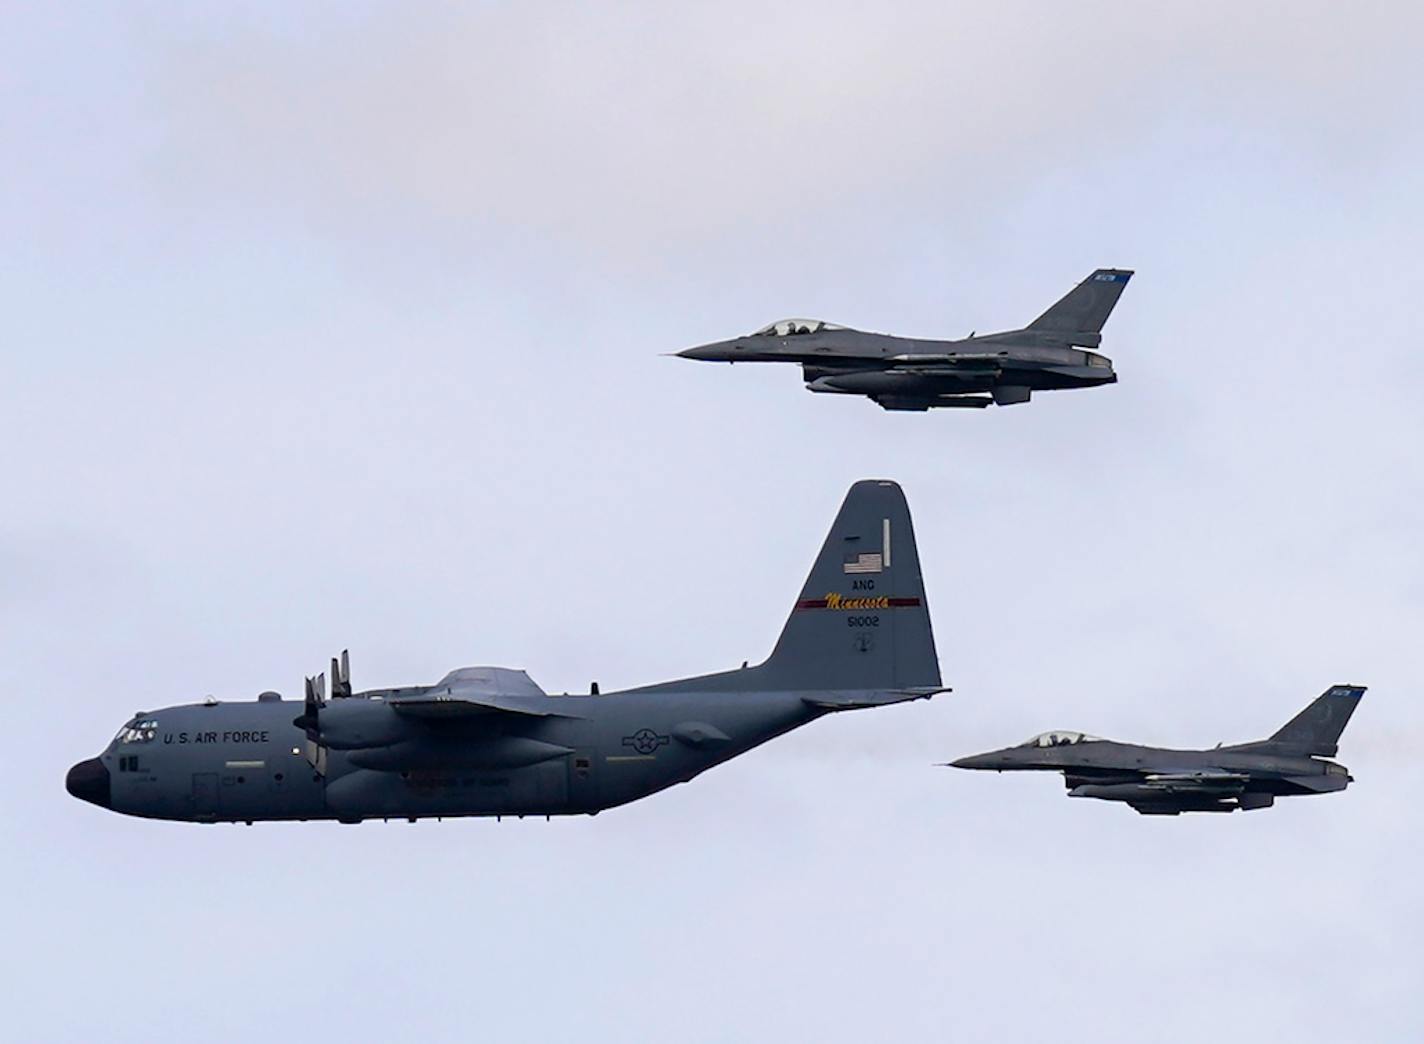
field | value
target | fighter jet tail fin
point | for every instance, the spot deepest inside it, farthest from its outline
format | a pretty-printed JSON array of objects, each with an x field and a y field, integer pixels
[
  {"x": 862, "y": 621},
  {"x": 1316, "y": 730},
  {"x": 1079, "y": 315}
]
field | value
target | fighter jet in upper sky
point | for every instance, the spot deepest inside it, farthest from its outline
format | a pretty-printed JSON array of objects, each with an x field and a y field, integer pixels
[
  {"x": 906, "y": 373},
  {"x": 487, "y": 741},
  {"x": 1164, "y": 782}
]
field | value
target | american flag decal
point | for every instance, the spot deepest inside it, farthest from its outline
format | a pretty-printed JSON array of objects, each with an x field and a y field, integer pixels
[{"x": 866, "y": 562}]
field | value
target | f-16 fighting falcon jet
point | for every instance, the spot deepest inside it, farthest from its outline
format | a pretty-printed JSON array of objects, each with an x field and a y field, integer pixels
[
  {"x": 1163, "y": 782},
  {"x": 905, "y": 373},
  {"x": 488, "y": 741}
]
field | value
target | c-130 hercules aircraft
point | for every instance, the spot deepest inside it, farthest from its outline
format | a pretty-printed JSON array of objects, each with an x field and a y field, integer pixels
[
  {"x": 908, "y": 373},
  {"x": 488, "y": 741}
]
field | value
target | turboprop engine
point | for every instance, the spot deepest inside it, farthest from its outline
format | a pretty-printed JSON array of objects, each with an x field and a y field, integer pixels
[{"x": 374, "y": 734}]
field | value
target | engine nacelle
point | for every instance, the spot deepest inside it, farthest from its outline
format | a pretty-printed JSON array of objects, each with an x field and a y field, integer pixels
[
  {"x": 358, "y": 724},
  {"x": 499, "y": 753}
]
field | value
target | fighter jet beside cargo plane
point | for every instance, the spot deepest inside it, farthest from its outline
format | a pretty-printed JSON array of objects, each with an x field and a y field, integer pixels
[
  {"x": 488, "y": 741},
  {"x": 905, "y": 373},
  {"x": 1161, "y": 781}
]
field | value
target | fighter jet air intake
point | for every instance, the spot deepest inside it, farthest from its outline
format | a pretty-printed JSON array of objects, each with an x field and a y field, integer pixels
[
  {"x": 905, "y": 373},
  {"x": 1165, "y": 782},
  {"x": 487, "y": 741}
]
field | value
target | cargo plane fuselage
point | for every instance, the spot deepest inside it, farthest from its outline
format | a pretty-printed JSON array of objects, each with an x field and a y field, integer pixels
[{"x": 489, "y": 741}]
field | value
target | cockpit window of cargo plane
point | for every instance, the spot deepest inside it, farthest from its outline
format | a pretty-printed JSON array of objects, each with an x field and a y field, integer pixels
[
  {"x": 1058, "y": 739},
  {"x": 138, "y": 732},
  {"x": 791, "y": 327}
]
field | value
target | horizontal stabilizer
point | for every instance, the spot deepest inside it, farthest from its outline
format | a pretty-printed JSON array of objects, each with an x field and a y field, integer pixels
[{"x": 857, "y": 700}]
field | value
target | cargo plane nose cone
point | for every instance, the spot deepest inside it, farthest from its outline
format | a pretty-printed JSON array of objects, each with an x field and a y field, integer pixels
[{"x": 89, "y": 781}]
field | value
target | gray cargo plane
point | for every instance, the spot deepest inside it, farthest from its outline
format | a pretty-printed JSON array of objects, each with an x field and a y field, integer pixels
[
  {"x": 906, "y": 373},
  {"x": 488, "y": 741},
  {"x": 1165, "y": 782}
]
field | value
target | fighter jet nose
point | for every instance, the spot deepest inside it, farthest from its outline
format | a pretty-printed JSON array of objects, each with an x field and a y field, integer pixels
[
  {"x": 974, "y": 761},
  {"x": 89, "y": 781},
  {"x": 719, "y": 351}
]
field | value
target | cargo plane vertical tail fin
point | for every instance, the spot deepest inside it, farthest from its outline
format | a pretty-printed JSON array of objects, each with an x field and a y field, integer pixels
[
  {"x": 859, "y": 635},
  {"x": 861, "y": 621},
  {"x": 1079, "y": 315}
]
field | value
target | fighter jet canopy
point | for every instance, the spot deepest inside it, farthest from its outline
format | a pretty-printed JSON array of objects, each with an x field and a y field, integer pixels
[
  {"x": 1059, "y": 739},
  {"x": 789, "y": 327}
]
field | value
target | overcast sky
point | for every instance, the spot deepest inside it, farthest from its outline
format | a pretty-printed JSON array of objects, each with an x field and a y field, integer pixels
[{"x": 341, "y": 326}]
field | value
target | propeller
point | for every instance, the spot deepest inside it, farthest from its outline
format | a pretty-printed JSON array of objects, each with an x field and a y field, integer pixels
[
  {"x": 316, "y": 697},
  {"x": 341, "y": 675},
  {"x": 311, "y": 707}
]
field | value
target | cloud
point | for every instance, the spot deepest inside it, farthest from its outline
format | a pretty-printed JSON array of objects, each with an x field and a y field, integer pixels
[
  {"x": 337, "y": 327},
  {"x": 637, "y": 127}
]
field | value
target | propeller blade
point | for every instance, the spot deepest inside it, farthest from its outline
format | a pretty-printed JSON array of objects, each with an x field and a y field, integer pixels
[
  {"x": 311, "y": 708},
  {"x": 341, "y": 675}
]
